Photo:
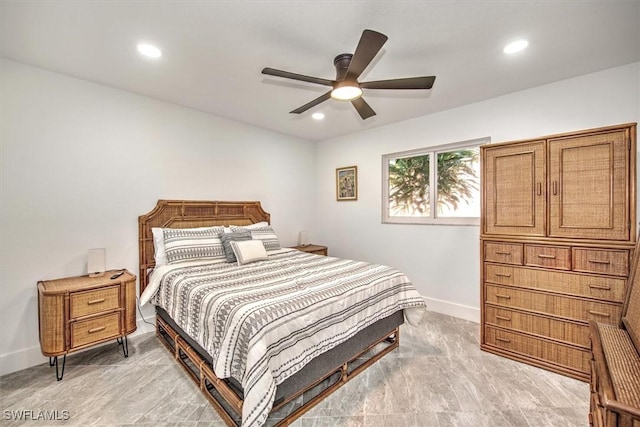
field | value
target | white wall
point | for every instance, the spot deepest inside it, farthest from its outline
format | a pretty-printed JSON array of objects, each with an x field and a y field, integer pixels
[
  {"x": 80, "y": 162},
  {"x": 443, "y": 261}
]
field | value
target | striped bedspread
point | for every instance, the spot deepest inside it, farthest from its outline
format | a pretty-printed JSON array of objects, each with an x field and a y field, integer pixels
[{"x": 262, "y": 322}]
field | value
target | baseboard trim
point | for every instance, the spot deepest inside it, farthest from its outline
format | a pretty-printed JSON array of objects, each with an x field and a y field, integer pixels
[
  {"x": 452, "y": 309},
  {"x": 21, "y": 359},
  {"x": 32, "y": 356}
]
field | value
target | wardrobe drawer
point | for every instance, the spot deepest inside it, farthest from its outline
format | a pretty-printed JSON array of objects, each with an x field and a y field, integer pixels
[
  {"x": 556, "y": 305},
  {"x": 540, "y": 349},
  {"x": 601, "y": 261},
  {"x": 557, "y": 257},
  {"x": 95, "y": 329},
  {"x": 507, "y": 253},
  {"x": 502, "y": 274},
  {"x": 569, "y": 332},
  {"x": 602, "y": 288},
  {"x": 96, "y": 301}
]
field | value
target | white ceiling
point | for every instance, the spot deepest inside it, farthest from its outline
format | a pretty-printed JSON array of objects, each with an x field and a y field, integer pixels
[{"x": 213, "y": 51}]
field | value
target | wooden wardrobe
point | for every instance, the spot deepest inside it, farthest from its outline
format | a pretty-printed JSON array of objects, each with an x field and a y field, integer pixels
[{"x": 557, "y": 236}]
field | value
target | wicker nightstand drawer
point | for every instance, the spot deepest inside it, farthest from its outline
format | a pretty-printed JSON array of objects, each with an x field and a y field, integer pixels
[
  {"x": 601, "y": 261},
  {"x": 557, "y": 257},
  {"x": 96, "y": 301},
  {"x": 94, "y": 330}
]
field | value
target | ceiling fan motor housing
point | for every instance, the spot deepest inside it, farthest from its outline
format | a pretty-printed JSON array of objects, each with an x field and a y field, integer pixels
[{"x": 341, "y": 62}]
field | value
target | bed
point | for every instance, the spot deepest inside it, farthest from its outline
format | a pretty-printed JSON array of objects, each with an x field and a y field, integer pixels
[{"x": 276, "y": 335}]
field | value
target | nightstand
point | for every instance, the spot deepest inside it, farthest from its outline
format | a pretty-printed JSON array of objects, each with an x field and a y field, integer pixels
[
  {"x": 79, "y": 312},
  {"x": 313, "y": 249}
]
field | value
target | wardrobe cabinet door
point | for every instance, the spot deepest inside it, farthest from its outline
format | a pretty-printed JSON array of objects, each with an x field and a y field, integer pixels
[
  {"x": 589, "y": 186},
  {"x": 514, "y": 189}
]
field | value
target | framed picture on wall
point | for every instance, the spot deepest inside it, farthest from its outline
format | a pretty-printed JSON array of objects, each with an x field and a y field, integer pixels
[{"x": 347, "y": 183}]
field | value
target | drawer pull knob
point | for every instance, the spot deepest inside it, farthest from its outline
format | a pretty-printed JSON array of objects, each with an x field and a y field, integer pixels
[
  {"x": 599, "y": 313},
  {"x": 503, "y": 275},
  {"x": 546, "y": 256},
  {"x": 503, "y": 296},
  {"x": 507, "y": 340},
  {"x": 503, "y": 253},
  {"x": 508, "y": 319},
  {"x": 94, "y": 330},
  {"x": 95, "y": 301},
  {"x": 604, "y": 288},
  {"x": 599, "y": 261}
]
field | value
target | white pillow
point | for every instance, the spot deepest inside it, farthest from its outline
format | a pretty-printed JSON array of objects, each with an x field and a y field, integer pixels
[
  {"x": 248, "y": 227},
  {"x": 158, "y": 243},
  {"x": 257, "y": 225},
  {"x": 247, "y": 251}
]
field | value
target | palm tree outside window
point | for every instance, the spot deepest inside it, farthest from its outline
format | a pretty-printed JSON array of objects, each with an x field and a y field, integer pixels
[{"x": 408, "y": 193}]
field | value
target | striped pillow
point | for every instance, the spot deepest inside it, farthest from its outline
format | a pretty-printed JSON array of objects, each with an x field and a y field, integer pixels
[
  {"x": 227, "y": 238},
  {"x": 265, "y": 234},
  {"x": 181, "y": 244}
]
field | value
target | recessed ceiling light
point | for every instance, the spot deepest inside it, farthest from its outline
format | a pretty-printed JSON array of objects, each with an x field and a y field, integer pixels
[
  {"x": 149, "y": 50},
  {"x": 515, "y": 46},
  {"x": 318, "y": 116}
]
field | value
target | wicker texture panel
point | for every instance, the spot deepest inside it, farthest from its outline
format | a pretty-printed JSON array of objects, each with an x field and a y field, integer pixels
[
  {"x": 561, "y": 330},
  {"x": 90, "y": 302},
  {"x": 603, "y": 288},
  {"x": 95, "y": 330},
  {"x": 632, "y": 308},
  {"x": 567, "y": 307},
  {"x": 601, "y": 261},
  {"x": 557, "y": 257},
  {"x": 52, "y": 323},
  {"x": 514, "y": 189},
  {"x": 588, "y": 175},
  {"x": 623, "y": 362},
  {"x": 559, "y": 354},
  {"x": 508, "y": 253},
  {"x": 130, "y": 322}
]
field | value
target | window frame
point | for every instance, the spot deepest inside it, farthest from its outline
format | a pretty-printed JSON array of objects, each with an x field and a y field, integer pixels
[{"x": 433, "y": 155}]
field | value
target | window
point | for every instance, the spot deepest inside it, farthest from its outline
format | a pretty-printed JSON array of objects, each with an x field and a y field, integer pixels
[{"x": 408, "y": 191}]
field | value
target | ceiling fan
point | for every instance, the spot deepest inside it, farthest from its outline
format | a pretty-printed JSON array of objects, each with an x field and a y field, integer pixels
[{"x": 348, "y": 68}]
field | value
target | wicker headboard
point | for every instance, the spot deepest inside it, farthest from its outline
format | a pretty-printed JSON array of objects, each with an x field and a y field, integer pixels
[{"x": 188, "y": 214}]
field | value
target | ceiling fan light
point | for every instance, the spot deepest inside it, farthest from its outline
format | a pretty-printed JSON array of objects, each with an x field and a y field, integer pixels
[{"x": 346, "y": 91}]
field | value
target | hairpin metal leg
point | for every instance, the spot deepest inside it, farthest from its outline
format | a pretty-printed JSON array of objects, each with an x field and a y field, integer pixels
[
  {"x": 125, "y": 345},
  {"x": 54, "y": 361}
]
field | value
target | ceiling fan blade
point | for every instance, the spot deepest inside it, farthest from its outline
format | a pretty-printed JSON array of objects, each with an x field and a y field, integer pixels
[
  {"x": 311, "y": 104},
  {"x": 294, "y": 76},
  {"x": 408, "y": 83},
  {"x": 368, "y": 47},
  {"x": 363, "y": 108}
]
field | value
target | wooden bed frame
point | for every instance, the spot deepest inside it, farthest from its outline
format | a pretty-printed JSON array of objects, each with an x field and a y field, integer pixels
[{"x": 372, "y": 344}]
